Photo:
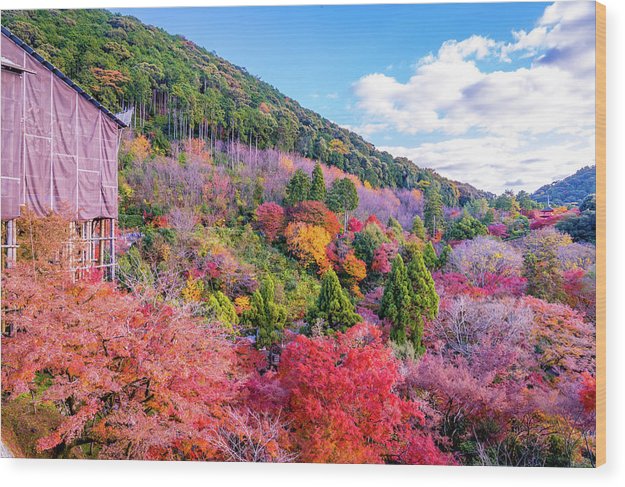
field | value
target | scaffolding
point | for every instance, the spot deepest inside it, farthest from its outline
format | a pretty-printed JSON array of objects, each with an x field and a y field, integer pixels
[
  {"x": 8, "y": 244},
  {"x": 59, "y": 151},
  {"x": 91, "y": 247}
]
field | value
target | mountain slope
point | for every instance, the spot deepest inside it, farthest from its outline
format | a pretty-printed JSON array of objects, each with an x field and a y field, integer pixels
[
  {"x": 180, "y": 89},
  {"x": 572, "y": 189}
]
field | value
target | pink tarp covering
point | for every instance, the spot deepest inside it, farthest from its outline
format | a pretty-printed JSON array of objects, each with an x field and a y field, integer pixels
[
  {"x": 59, "y": 151},
  {"x": 11, "y": 145}
]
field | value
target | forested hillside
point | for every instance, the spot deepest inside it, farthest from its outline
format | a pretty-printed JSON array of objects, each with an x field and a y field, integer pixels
[
  {"x": 269, "y": 306},
  {"x": 572, "y": 189},
  {"x": 181, "y": 90}
]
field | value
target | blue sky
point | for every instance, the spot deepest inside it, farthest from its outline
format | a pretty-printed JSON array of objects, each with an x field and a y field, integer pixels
[{"x": 413, "y": 79}]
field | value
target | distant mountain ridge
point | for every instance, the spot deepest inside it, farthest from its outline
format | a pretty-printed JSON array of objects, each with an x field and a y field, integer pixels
[
  {"x": 180, "y": 89},
  {"x": 572, "y": 189}
]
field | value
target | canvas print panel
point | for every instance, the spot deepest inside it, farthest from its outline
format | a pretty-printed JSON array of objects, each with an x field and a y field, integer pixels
[{"x": 346, "y": 234}]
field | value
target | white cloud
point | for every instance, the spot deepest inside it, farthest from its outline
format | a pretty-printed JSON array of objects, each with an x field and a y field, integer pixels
[
  {"x": 497, "y": 163},
  {"x": 501, "y": 115},
  {"x": 565, "y": 35},
  {"x": 367, "y": 128}
]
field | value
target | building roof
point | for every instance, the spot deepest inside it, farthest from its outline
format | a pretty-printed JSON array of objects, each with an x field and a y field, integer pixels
[
  {"x": 548, "y": 208},
  {"x": 57, "y": 72}
]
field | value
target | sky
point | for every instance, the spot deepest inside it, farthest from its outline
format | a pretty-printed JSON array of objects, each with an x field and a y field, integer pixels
[{"x": 497, "y": 95}]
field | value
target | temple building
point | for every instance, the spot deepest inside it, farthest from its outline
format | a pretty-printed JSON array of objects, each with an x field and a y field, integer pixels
[{"x": 58, "y": 153}]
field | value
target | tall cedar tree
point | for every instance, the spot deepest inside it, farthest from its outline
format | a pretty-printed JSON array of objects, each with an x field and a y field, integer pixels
[
  {"x": 333, "y": 306},
  {"x": 433, "y": 211},
  {"x": 219, "y": 307},
  {"x": 397, "y": 300},
  {"x": 429, "y": 257},
  {"x": 298, "y": 188},
  {"x": 443, "y": 258},
  {"x": 367, "y": 241},
  {"x": 342, "y": 198},
  {"x": 418, "y": 229},
  {"x": 424, "y": 303},
  {"x": 318, "y": 186},
  {"x": 266, "y": 315}
]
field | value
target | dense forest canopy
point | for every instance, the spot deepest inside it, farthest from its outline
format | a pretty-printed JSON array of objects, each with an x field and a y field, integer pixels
[
  {"x": 572, "y": 189},
  {"x": 181, "y": 90}
]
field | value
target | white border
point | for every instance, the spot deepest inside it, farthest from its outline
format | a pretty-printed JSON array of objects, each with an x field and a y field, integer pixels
[{"x": 116, "y": 473}]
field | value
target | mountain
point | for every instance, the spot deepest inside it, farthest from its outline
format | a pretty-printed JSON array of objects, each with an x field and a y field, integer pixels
[
  {"x": 180, "y": 89},
  {"x": 572, "y": 189}
]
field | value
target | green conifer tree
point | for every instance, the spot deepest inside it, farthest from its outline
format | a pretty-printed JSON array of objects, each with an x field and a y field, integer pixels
[
  {"x": 429, "y": 257},
  {"x": 220, "y": 308},
  {"x": 297, "y": 189},
  {"x": 396, "y": 301},
  {"x": 366, "y": 241},
  {"x": 333, "y": 306},
  {"x": 266, "y": 315},
  {"x": 318, "y": 186},
  {"x": 342, "y": 198},
  {"x": 396, "y": 228},
  {"x": 433, "y": 211},
  {"x": 418, "y": 229},
  {"x": 444, "y": 257},
  {"x": 489, "y": 217},
  {"x": 424, "y": 304}
]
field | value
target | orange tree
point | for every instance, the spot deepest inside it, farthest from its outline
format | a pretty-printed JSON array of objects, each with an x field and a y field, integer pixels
[{"x": 308, "y": 244}]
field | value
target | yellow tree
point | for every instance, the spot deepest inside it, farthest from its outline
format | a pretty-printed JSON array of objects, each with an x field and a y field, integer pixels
[{"x": 308, "y": 244}]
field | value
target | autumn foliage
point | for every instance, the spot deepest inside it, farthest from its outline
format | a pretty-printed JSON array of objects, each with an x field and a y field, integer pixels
[
  {"x": 240, "y": 329},
  {"x": 314, "y": 213},
  {"x": 336, "y": 415},
  {"x": 140, "y": 380},
  {"x": 271, "y": 221},
  {"x": 308, "y": 243}
]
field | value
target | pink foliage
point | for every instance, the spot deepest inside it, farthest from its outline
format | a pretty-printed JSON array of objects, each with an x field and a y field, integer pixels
[
  {"x": 544, "y": 222},
  {"x": 335, "y": 418},
  {"x": 451, "y": 283},
  {"x": 383, "y": 256},
  {"x": 498, "y": 230},
  {"x": 354, "y": 225},
  {"x": 580, "y": 289},
  {"x": 227, "y": 274},
  {"x": 493, "y": 285},
  {"x": 271, "y": 220},
  {"x": 411, "y": 204},
  {"x": 144, "y": 380},
  {"x": 498, "y": 285}
]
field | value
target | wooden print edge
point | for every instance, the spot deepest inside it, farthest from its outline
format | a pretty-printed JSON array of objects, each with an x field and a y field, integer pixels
[{"x": 600, "y": 164}]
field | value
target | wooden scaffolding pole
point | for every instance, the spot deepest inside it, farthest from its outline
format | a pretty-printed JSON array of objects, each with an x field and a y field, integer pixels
[
  {"x": 112, "y": 249},
  {"x": 101, "y": 241},
  {"x": 11, "y": 238}
]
